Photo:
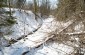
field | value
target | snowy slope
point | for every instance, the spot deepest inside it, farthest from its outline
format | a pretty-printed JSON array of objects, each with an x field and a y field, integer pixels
[
  {"x": 29, "y": 43},
  {"x": 26, "y": 24},
  {"x": 51, "y": 48}
]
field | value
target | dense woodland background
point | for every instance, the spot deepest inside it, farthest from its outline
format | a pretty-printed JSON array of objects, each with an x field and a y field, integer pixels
[{"x": 64, "y": 9}]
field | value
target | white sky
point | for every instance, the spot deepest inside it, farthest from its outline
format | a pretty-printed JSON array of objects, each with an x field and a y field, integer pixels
[{"x": 52, "y": 2}]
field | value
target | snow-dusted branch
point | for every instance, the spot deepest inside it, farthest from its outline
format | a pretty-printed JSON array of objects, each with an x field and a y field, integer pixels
[{"x": 75, "y": 33}]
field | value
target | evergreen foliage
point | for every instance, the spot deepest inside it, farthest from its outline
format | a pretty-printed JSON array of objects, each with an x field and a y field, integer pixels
[{"x": 6, "y": 18}]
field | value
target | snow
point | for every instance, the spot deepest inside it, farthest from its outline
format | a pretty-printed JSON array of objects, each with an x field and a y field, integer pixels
[
  {"x": 31, "y": 41},
  {"x": 41, "y": 35},
  {"x": 48, "y": 49},
  {"x": 52, "y": 49},
  {"x": 26, "y": 23},
  {"x": 79, "y": 27}
]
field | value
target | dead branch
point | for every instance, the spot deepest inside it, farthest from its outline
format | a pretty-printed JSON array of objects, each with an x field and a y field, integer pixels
[{"x": 75, "y": 33}]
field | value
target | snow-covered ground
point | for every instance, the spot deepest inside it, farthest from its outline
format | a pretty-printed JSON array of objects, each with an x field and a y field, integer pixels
[
  {"x": 26, "y": 24},
  {"x": 51, "y": 48}
]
